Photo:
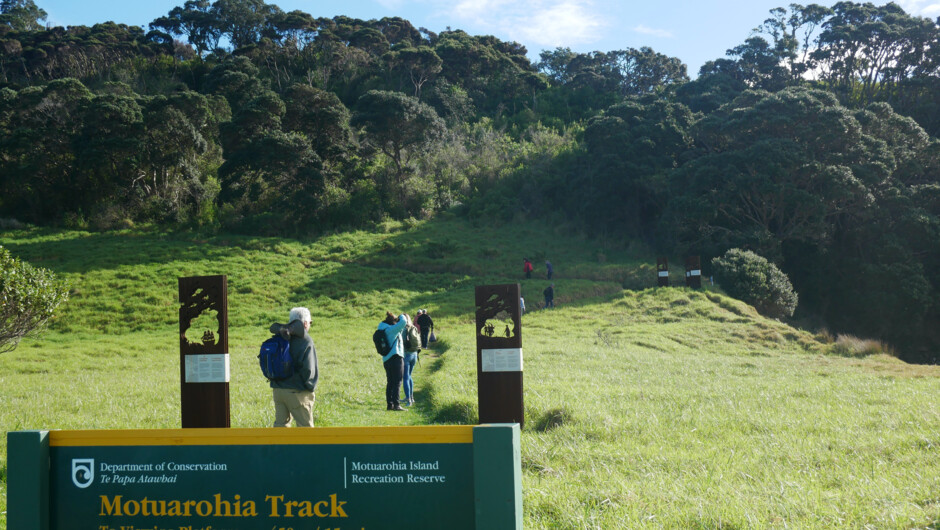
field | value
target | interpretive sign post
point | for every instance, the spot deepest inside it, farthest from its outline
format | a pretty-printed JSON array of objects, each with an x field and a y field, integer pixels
[
  {"x": 499, "y": 354},
  {"x": 693, "y": 272},
  {"x": 455, "y": 477},
  {"x": 662, "y": 272},
  {"x": 204, "y": 357}
]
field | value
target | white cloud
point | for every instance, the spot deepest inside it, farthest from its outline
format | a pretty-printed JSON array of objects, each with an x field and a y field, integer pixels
[
  {"x": 562, "y": 24},
  {"x": 653, "y": 31},
  {"x": 549, "y": 23},
  {"x": 478, "y": 10},
  {"x": 922, "y": 8},
  {"x": 932, "y": 10}
]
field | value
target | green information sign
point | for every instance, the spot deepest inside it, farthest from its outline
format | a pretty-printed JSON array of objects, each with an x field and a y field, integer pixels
[{"x": 457, "y": 477}]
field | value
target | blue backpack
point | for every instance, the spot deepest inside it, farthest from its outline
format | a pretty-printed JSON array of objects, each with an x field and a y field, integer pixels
[{"x": 275, "y": 359}]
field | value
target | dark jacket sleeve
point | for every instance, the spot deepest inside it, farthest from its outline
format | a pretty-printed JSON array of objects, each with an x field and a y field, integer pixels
[{"x": 309, "y": 369}]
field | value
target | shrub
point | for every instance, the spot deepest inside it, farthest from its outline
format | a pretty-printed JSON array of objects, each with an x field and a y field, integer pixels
[
  {"x": 28, "y": 298},
  {"x": 752, "y": 279},
  {"x": 852, "y": 346}
]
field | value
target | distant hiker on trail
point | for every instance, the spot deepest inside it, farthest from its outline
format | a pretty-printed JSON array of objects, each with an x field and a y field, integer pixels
[
  {"x": 412, "y": 345},
  {"x": 294, "y": 396},
  {"x": 425, "y": 324},
  {"x": 527, "y": 267},
  {"x": 394, "y": 361},
  {"x": 521, "y": 305},
  {"x": 548, "y": 269},
  {"x": 549, "y": 293}
]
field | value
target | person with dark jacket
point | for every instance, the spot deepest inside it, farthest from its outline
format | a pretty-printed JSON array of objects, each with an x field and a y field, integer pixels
[
  {"x": 294, "y": 396},
  {"x": 394, "y": 361},
  {"x": 549, "y": 293},
  {"x": 425, "y": 324}
]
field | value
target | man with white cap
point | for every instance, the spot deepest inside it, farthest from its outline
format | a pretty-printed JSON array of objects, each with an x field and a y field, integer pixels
[{"x": 294, "y": 396}]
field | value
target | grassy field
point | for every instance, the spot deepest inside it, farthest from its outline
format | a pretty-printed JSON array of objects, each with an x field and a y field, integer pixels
[{"x": 645, "y": 408}]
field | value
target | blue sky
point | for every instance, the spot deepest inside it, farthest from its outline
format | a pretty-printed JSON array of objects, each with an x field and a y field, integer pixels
[{"x": 695, "y": 31}]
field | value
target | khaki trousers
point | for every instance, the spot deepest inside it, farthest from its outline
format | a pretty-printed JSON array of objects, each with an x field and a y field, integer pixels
[{"x": 293, "y": 403}]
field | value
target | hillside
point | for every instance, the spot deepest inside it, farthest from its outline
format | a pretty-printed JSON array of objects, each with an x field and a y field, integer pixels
[
  {"x": 645, "y": 407},
  {"x": 814, "y": 142}
]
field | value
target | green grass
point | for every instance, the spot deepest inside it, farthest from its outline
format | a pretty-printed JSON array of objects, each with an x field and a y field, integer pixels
[{"x": 646, "y": 408}]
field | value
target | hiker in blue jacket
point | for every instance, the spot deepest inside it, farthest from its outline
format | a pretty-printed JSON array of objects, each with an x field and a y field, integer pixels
[{"x": 394, "y": 361}]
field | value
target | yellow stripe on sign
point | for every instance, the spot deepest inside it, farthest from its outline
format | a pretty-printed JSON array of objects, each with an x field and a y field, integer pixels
[{"x": 443, "y": 434}]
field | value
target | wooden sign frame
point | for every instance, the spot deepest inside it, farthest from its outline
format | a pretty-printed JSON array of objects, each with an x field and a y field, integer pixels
[
  {"x": 499, "y": 354},
  {"x": 204, "y": 404}
]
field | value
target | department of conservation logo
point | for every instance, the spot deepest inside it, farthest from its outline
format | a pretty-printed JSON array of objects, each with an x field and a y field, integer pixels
[{"x": 83, "y": 472}]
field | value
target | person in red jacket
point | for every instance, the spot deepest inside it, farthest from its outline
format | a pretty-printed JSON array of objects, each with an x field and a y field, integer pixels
[{"x": 527, "y": 267}]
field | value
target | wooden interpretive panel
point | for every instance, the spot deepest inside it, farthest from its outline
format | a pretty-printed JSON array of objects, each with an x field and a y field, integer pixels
[
  {"x": 204, "y": 356},
  {"x": 693, "y": 272},
  {"x": 499, "y": 353}
]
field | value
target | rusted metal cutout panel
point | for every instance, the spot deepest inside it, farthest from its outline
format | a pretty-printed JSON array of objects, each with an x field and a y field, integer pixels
[
  {"x": 499, "y": 324},
  {"x": 499, "y": 336},
  {"x": 662, "y": 272},
  {"x": 693, "y": 272},
  {"x": 203, "y": 299},
  {"x": 203, "y": 317}
]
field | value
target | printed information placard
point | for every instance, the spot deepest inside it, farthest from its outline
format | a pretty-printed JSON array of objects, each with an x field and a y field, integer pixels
[
  {"x": 208, "y": 368},
  {"x": 502, "y": 360}
]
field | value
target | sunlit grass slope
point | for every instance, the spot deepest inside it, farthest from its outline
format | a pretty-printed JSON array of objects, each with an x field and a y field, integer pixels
[{"x": 645, "y": 408}]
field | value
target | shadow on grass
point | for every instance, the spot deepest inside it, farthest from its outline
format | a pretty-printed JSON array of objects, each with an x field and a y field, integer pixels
[
  {"x": 453, "y": 412},
  {"x": 552, "y": 419},
  {"x": 458, "y": 412},
  {"x": 440, "y": 347},
  {"x": 84, "y": 252},
  {"x": 434, "y": 361}
]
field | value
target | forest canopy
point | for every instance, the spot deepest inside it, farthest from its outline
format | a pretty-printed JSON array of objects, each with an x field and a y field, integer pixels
[{"x": 813, "y": 143}]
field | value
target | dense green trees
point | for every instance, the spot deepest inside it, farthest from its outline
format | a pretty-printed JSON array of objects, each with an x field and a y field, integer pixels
[
  {"x": 70, "y": 155},
  {"x": 630, "y": 150},
  {"x": 819, "y": 188},
  {"x": 400, "y": 127},
  {"x": 584, "y": 84},
  {"x": 861, "y": 52},
  {"x": 813, "y": 142},
  {"x": 21, "y": 15},
  {"x": 775, "y": 168}
]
